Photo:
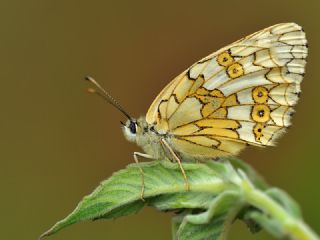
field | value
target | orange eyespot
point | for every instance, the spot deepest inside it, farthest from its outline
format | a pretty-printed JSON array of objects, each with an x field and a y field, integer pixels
[
  {"x": 260, "y": 113},
  {"x": 235, "y": 70},
  {"x": 225, "y": 59},
  {"x": 260, "y": 95}
]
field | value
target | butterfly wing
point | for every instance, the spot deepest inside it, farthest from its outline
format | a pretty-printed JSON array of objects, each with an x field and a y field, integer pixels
[{"x": 242, "y": 94}]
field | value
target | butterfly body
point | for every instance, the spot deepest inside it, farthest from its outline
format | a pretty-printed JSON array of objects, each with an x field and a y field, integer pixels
[
  {"x": 150, "y": 140},
  {"x": 241, "y": 95},
  {"x": 145, "y": 136}
]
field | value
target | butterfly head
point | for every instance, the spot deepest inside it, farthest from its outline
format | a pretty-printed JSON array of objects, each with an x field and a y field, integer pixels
[
  {"x": 135, "y": 129},
  {"x": 130, "y": 129}
]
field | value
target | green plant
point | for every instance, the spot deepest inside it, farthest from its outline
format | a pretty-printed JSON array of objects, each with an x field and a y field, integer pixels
[{"x": 220, "y": 192}]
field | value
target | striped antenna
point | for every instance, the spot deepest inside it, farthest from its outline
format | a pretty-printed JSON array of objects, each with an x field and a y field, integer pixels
[{"x": 105, "y": 95}]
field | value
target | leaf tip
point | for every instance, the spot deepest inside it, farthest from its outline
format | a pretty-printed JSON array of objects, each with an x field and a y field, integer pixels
[
  {"x": 43, "y": 235},
  {"x": 47, "y": 233}
]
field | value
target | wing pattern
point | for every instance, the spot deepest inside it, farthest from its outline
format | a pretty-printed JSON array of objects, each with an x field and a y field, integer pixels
[{"x": 242, "y": 94}]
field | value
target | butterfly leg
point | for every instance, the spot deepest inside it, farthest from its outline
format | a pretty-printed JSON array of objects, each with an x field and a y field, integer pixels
[
  {"x": 174, "y": 155},
  {"x": 135, "y": 156}
]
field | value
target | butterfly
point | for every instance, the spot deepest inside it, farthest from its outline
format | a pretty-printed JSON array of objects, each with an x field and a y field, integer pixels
[{"x": 240, "y": 95}]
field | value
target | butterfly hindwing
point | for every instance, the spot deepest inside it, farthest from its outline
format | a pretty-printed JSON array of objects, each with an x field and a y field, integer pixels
[{"x": 241, "y": 94}]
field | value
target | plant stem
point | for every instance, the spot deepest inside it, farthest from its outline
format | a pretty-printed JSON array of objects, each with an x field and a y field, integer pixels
[{"x": 291, "y": 226}]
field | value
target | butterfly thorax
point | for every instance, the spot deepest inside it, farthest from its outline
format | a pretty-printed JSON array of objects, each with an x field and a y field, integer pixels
[{"x": 146, "y": 137}]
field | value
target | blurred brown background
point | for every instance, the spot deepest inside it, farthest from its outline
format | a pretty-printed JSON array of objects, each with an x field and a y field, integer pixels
[{"x": 58, "y": 142}]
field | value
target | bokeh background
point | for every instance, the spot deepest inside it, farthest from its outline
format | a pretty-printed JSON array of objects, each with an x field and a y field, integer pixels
[{"x": 58, "y": 142}]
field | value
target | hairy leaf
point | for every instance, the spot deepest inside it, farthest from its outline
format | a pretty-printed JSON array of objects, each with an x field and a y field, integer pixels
[
  {"x": 219, "y": 193},
  {"x": 120, "y": 194}
]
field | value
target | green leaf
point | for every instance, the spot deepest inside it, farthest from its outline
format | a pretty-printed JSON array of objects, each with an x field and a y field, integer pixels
[
  {"x": 125, "y": 210},
  {"x": 213, "y": 230},
  {"x": 185, "y": 200},
  {"x": 269, "y": 224},
  {"x": 120, "y": 194},
  {"x": 219, "y": 193},
  {"x": 213, "y": 223},
  {"x": 175, "y": 224}
]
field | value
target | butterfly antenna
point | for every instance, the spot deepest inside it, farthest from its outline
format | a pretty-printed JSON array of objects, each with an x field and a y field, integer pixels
[{"x": 104, "y": 94}]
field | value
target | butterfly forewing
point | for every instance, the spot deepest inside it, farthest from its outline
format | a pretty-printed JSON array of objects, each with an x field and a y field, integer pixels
[{"x": 242, "y": 94}]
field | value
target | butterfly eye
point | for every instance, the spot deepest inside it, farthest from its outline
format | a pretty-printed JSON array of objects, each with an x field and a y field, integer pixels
[{"x": 133, "y": 127}]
